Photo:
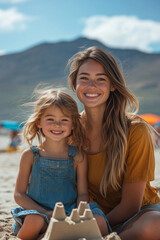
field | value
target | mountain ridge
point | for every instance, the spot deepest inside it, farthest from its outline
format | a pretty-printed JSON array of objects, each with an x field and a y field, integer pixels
[{"x": 46, "y": 62}]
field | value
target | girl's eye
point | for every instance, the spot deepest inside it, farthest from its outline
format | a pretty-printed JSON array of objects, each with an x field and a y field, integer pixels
[
  {"x": 50, "y": 119},
  {"x": 83, "y": 78}
]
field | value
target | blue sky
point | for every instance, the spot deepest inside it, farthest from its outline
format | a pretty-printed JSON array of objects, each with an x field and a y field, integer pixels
[{"x": 117, "y": 23}]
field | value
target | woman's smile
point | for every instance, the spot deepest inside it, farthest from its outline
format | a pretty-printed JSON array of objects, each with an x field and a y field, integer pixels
[
  {"x": 91, "y": 95},
  {"x": 92, "y": 84}
]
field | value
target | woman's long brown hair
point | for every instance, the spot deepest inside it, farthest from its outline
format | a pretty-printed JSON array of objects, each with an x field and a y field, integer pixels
[{"x": 120, "y": 112}]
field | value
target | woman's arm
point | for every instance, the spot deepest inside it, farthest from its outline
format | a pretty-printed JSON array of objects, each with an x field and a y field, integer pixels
[
  {"x": 132, "y": 196},
  {"x": 20, "y": 196},
  {"x": 82, "y": 189},
  {"x": 140, "y": 164}
]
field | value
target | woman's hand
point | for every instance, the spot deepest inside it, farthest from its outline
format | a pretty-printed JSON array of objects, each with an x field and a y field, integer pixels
[{"x": 132, "y": 196}]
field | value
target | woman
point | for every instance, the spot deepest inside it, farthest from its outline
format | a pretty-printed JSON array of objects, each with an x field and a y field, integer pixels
[{"x": 120, "y": 155}]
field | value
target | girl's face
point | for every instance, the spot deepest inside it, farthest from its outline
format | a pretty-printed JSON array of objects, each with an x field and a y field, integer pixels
[
  {"x": 92, "y": 85},
  {"x": 55, "y": 124}
]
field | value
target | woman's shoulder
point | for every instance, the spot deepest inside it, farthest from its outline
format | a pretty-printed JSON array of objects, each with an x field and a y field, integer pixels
[
  {"x": 140, "y": 153},
  {"x": 138, "y": 128},
  {"x": 139, "y": 133}
]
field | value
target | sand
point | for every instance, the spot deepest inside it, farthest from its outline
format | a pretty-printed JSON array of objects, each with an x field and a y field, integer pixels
[{"x": 8, "y": 171}]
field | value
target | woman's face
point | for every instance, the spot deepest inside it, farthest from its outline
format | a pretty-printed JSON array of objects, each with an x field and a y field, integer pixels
[{"x": 92, "y": 85}]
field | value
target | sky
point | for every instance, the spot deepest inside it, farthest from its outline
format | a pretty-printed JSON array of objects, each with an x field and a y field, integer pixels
[{"x": 133, "y": 24}]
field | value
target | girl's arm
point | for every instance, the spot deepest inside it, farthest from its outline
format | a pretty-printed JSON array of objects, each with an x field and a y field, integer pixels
[
  {"x": 20, "y": 196},
  {"x": 132, "y": 196},
  {"x": 82, "y": 188}
]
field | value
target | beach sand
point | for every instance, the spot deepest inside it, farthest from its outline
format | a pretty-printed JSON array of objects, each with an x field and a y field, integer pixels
[{"x": 8, "y": 171}]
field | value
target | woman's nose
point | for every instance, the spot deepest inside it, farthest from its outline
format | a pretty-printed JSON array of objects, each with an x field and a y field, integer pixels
[{"x": 91, "y": 83}]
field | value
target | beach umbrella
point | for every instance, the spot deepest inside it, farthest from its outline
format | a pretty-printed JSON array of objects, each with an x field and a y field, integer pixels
[
  {"x": 151, "y": 118},
  {"x": 11, "y": 125}
]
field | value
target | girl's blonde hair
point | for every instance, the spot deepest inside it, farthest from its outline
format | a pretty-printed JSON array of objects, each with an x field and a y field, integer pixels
[
  {"x": 116, "y": 119},
  {"x": 51, "y": 97}
]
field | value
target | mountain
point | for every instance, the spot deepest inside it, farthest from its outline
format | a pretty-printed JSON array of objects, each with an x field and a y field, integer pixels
[{"x": 21, "y": 72}]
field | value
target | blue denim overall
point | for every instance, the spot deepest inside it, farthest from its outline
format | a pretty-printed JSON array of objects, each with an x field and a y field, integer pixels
[{"x": 51, "y": 181}]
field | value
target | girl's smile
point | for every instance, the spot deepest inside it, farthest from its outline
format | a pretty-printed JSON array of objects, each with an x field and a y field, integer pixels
[
  {"x": 56, "y": 132},
  {"x": 55, "y": 124}
]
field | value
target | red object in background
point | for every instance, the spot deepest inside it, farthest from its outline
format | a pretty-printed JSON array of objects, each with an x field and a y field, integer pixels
[{"x": 150, "y": 118}]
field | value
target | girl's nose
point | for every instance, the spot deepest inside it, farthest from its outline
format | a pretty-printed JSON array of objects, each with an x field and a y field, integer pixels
[{"x": 57, "y": 123}]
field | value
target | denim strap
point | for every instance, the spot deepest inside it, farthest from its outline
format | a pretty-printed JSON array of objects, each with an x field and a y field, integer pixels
[
  {"x": 35, "y": 152},
  {"x": 72, "y": 151}
]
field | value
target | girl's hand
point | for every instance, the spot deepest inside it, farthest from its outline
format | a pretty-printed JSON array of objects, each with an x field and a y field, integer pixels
[{"x": 49, "y": 214}]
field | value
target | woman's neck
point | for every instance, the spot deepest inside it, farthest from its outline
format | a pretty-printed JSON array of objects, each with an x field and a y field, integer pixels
[
  {"x": 93, "y": 122},
  {"x": 94, "y": 117}
]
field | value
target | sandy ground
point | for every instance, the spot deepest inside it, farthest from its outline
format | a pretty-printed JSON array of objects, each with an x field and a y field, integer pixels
[{"x": 8, "y": 172}]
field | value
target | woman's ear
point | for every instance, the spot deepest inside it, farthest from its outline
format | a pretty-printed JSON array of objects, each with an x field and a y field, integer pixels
[{"x": 112, "y": 88}]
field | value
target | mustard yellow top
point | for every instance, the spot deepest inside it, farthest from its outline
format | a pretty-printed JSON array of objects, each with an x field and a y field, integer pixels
[{"x": 140, "y": 164}]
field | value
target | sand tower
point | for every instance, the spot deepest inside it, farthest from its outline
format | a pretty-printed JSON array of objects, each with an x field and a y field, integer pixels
[{"x": 80, "y": 225}]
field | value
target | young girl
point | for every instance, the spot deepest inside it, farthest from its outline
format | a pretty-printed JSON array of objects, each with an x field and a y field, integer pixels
[
  {"x": 55, "y": 171},
  {"x": 120, "y": 154}
]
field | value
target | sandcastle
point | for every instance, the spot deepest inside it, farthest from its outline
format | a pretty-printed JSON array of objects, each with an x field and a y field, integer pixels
[{"x": 80, "y": 225}]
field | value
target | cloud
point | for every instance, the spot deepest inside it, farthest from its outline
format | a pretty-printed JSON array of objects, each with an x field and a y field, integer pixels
[
  {"x": 11, "y": 19},
  {"x": 2, "y": 52},
  {"x": 123, "y": 31}
]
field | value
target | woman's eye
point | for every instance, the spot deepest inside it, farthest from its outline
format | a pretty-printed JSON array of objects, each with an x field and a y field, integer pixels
[
  {"x": 64, "y": 120},
  {"x": 101, "y": 79}
]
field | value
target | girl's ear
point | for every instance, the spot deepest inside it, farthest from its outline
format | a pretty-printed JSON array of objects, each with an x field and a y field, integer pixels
[{"x": 38, "y": 124}]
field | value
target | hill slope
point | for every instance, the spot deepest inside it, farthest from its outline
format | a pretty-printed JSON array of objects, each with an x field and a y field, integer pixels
[{"x": 46, "y": 62}]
